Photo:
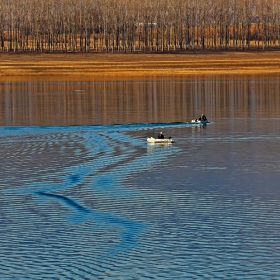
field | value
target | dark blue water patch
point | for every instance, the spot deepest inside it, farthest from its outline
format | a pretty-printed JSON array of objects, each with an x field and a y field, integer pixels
[
  {"x": 69, "y": 202},
  {"x": 74, "y": 178}
]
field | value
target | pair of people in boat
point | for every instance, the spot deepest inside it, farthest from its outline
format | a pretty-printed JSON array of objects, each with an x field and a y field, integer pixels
[{"x": 201, "y": 118}]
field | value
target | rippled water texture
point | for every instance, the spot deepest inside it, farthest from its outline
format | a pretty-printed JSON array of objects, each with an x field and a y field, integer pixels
[{"x": 83, "y": 196}]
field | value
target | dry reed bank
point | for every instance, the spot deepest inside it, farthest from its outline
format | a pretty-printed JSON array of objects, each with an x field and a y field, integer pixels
[{"x": 94, "y": 64}]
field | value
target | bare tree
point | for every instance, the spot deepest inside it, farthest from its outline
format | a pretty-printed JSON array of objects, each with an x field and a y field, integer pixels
[{"x": 138, "y": 25}]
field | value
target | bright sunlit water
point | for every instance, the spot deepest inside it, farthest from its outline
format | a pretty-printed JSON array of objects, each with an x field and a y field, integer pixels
[{"x": 83, "y": 196}]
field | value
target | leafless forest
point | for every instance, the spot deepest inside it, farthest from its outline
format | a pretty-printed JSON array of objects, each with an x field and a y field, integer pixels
[{"x": 138, "y": 25}]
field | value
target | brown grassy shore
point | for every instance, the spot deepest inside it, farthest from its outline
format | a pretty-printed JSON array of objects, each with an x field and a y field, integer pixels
[{"x": 112, "y": 64}]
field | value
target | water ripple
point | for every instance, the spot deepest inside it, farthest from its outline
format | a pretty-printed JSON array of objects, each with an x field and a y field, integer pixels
[{"x": 98, "y": 203}]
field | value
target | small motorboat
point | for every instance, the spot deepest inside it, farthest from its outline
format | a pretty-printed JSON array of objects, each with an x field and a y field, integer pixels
[
  {"x": 200, "y": 121},
  {"x": 160, "y": 141}
]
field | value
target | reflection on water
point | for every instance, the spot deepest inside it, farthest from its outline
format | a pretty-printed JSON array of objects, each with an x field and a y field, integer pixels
[
  {"x": 98, "y": 202},
  {"x": 165, "y": 99}
]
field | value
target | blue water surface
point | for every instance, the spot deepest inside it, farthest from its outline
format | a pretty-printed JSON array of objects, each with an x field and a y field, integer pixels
[{"x": 98, "y": 202}]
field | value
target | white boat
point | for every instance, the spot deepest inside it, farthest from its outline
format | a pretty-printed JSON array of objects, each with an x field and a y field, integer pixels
[{"x": 160, "y": 141}]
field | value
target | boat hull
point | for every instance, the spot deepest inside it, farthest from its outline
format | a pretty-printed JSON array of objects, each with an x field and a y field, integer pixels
[
  {"x": 159, "y": 141},
  {"x": 199, "y": 122}
]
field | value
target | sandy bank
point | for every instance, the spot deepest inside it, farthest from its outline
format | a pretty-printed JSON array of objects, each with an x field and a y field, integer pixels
[{"x": 139, "y": 64}]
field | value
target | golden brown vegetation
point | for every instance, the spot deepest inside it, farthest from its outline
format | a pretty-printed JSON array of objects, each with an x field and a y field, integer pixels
[{"x": 124, "y": 65}]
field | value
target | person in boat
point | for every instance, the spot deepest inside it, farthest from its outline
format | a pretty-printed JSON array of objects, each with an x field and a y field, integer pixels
[
  {"x": 160, "y": 136},
  {"x": 202, "y": 118}
]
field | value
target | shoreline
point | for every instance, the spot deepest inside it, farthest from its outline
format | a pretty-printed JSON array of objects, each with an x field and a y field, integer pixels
[{"x": 129, "y": 65}]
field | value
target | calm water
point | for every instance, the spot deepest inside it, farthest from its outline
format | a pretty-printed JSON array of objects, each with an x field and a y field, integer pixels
[{"x": 83, "y": 196}]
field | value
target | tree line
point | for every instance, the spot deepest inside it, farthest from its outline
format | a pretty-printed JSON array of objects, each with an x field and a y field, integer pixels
[{"x": 138, "y": 25}]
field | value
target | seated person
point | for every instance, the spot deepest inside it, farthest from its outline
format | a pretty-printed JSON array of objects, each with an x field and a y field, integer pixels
[
  {"x": 160, "y": 136},
  {"x": 203, "y": 117}
]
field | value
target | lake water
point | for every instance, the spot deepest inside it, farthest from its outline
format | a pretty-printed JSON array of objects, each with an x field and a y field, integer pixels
[{"x": 83, "y": 196}]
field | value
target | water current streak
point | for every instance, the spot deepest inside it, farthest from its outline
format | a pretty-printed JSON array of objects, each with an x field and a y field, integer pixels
[{"x": 86, "y": 162}]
